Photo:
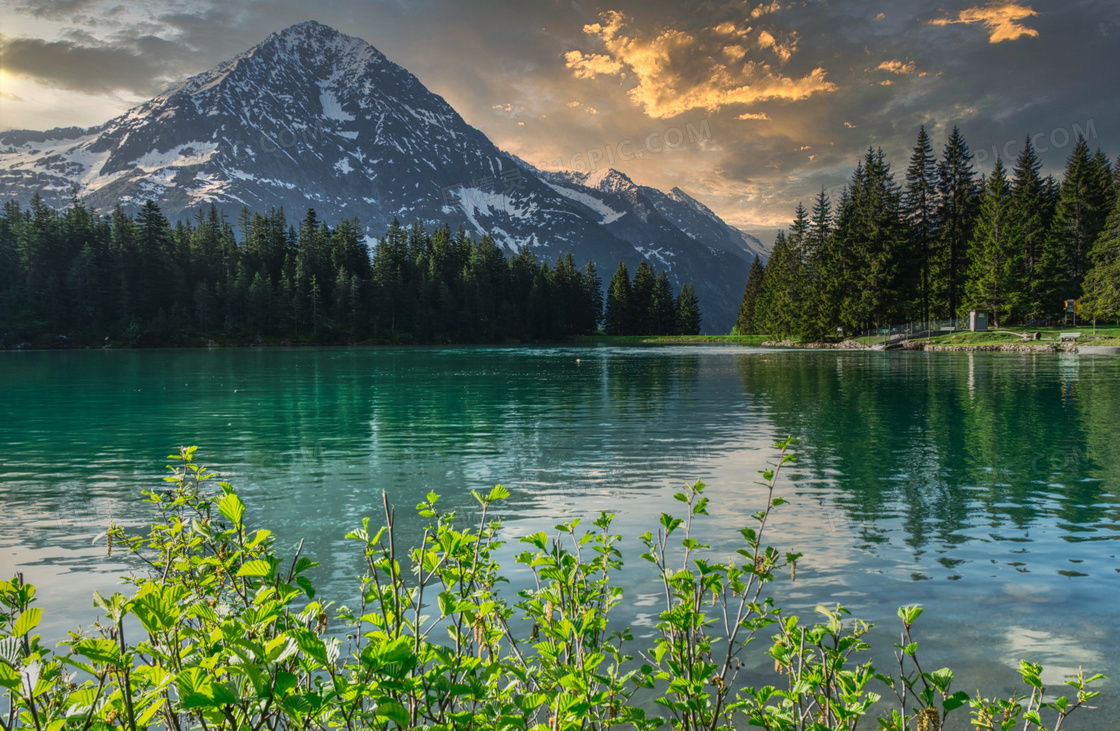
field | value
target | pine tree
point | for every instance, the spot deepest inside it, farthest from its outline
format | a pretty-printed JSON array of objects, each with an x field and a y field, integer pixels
[
  {"x": 619, "y": 317},
  {"x": 1078, "y": 220},
  {"x": 154, "y": 266},
  {"x": 1031, "y": 211},
  {"x": 1106, "y": 185},
  {"x": 641, "y": 299},
  {"x": 259, "y": 304},
  {"x": 315, "y": 300},
  {"x": 390, "y": 275},
  {"x": 663, "y": 307},
  {"x": 1101, "y": 298},
  {"x": 744, "y": 325},
  {"x": 776, "y": 308},
  {"x": 956, "y": 215},
  {"x": 919, "y": 210},
  {"x": 568, "y": 291},
  {"x": 833, "y": 273},
  {"x": 875, "y": 240},
  {"x": 592, "y": 298},
  {"x": 798, "y": 236},
  {"x": 9, "y": 262},
  {"x": 688, "y": 311},
  {"x": 820, "y": 228},
  {"x": 995, "y": 279}
]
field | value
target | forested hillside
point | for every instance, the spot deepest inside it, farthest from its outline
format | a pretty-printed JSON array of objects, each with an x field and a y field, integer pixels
[
  {"x": 1012, "y": 243},
  {"x": 74, "y": 276}
]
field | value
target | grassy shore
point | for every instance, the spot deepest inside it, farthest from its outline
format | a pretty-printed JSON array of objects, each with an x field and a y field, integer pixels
[
  {"x": 750, "y": 340},
  {"x": 1105, "y": 335}
]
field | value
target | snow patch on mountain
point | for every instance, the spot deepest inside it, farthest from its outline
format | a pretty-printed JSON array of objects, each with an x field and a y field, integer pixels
[
  {"x": 609, "y": 214},
  {"x": 184, "y": 155},
  {"x": 477, "y": 203},
  {"x": 332, "y": 108},
  {"x": 664, "y": 257}
]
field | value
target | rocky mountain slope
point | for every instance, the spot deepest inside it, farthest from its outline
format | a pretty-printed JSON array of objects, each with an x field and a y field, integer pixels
[{"x": 314, "y": 118}]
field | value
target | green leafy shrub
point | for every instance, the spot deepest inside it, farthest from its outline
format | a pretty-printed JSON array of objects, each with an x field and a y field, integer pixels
[{"x": 220, "y": 632}]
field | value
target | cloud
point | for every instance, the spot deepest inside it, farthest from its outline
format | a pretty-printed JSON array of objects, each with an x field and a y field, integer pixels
[
  {"x": 592, "y": 65},
  {"x": 783, "y": 51},
  {"x": 56, "y": 9},
  {"x": 90, "y": 69},
  {"x": 897, "y": 67},
  {"x": 761, "y": 116},
  {"x": 1001, "y": 19},
  {"x": 675, "y": 71},
  {"x": 765, "y": 9},
  {"x": 584, "y": 107}
]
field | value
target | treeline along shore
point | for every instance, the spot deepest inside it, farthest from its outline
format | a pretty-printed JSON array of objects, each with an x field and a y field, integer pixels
[
  {"x": 1013, "y": 244},
  {"x": 75, "y": 277}
]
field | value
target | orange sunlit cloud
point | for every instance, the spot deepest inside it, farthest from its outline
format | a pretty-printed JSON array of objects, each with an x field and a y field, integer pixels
[
  {"x": 897, "y": 67},
  {"x": 677, "y": 71},
  {"x": 591, "y": 65},
  {"x": 764, "y": 9},
  {"x": 1001, "y": 19},
  {"x": 783, "y": 51}
]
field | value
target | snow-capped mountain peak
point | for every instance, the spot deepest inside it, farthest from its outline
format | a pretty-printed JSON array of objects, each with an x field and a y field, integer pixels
[{"x": 311, "y": 117}]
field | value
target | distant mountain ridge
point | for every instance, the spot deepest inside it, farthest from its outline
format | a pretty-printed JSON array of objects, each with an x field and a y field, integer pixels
[{"x": 312, "y": 117}]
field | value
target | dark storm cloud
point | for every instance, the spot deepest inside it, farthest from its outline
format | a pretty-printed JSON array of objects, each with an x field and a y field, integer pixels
[
  {"x": 85, "y": 68},
  {"x": 57, "y": 9},
  {"x": 794, "y": 91}
]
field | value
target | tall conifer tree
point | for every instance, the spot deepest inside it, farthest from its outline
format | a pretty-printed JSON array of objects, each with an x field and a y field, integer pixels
[
  {"x": 996, "y": 277},
  {"x": 957, "y": 207},
  {"x": 919, "y": 207},
  {"x": 744, "y": 324}
]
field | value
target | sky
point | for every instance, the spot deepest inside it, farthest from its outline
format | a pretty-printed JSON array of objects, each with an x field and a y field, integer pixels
[{"x": 751, "y": 107}]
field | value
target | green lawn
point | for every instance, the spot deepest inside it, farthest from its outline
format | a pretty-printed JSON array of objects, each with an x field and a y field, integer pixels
[
  {"x": 672, "y": 339},
  {"x": 1105, "y": 335}
]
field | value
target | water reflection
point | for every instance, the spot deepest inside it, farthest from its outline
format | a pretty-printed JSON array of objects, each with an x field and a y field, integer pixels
[
  {"x": 985, "y": 485},
  {"x": 959, "y": 449}
]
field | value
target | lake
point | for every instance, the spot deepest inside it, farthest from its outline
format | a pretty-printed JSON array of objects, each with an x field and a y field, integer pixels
[{"x": 984, "y": 486}]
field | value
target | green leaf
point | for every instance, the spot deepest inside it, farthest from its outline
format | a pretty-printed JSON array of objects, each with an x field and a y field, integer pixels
[
  {"x": 101, "y": 651},
  {"x": 311, "y": 645},
  {"x": 447, "y": 604},
  {"x": 498, "y": 493},
  {"x": 9, "y": 678},
  {"x": 149, "y": 713},
  {"x": 955, "y": 701},
  {"x": 305, "y": 583},
  {"x": 156, "y": 606},
  {"x": 393, "y": 711},
  {"x": 232, "y": 507},
  {"x": 303, "y": 564},
  {"x": 256, "y": 568},
  {"x": 941, "y": 679},
  {"x": 27, "y": 621}
]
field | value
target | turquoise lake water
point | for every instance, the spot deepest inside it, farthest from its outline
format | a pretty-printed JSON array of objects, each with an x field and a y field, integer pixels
[{"x": 985, "y": 487}]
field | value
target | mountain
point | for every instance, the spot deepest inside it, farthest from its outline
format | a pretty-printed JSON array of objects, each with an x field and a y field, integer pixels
[
  {"x": 665, "y": 215},
  {"x": 314, "y": 118}
]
